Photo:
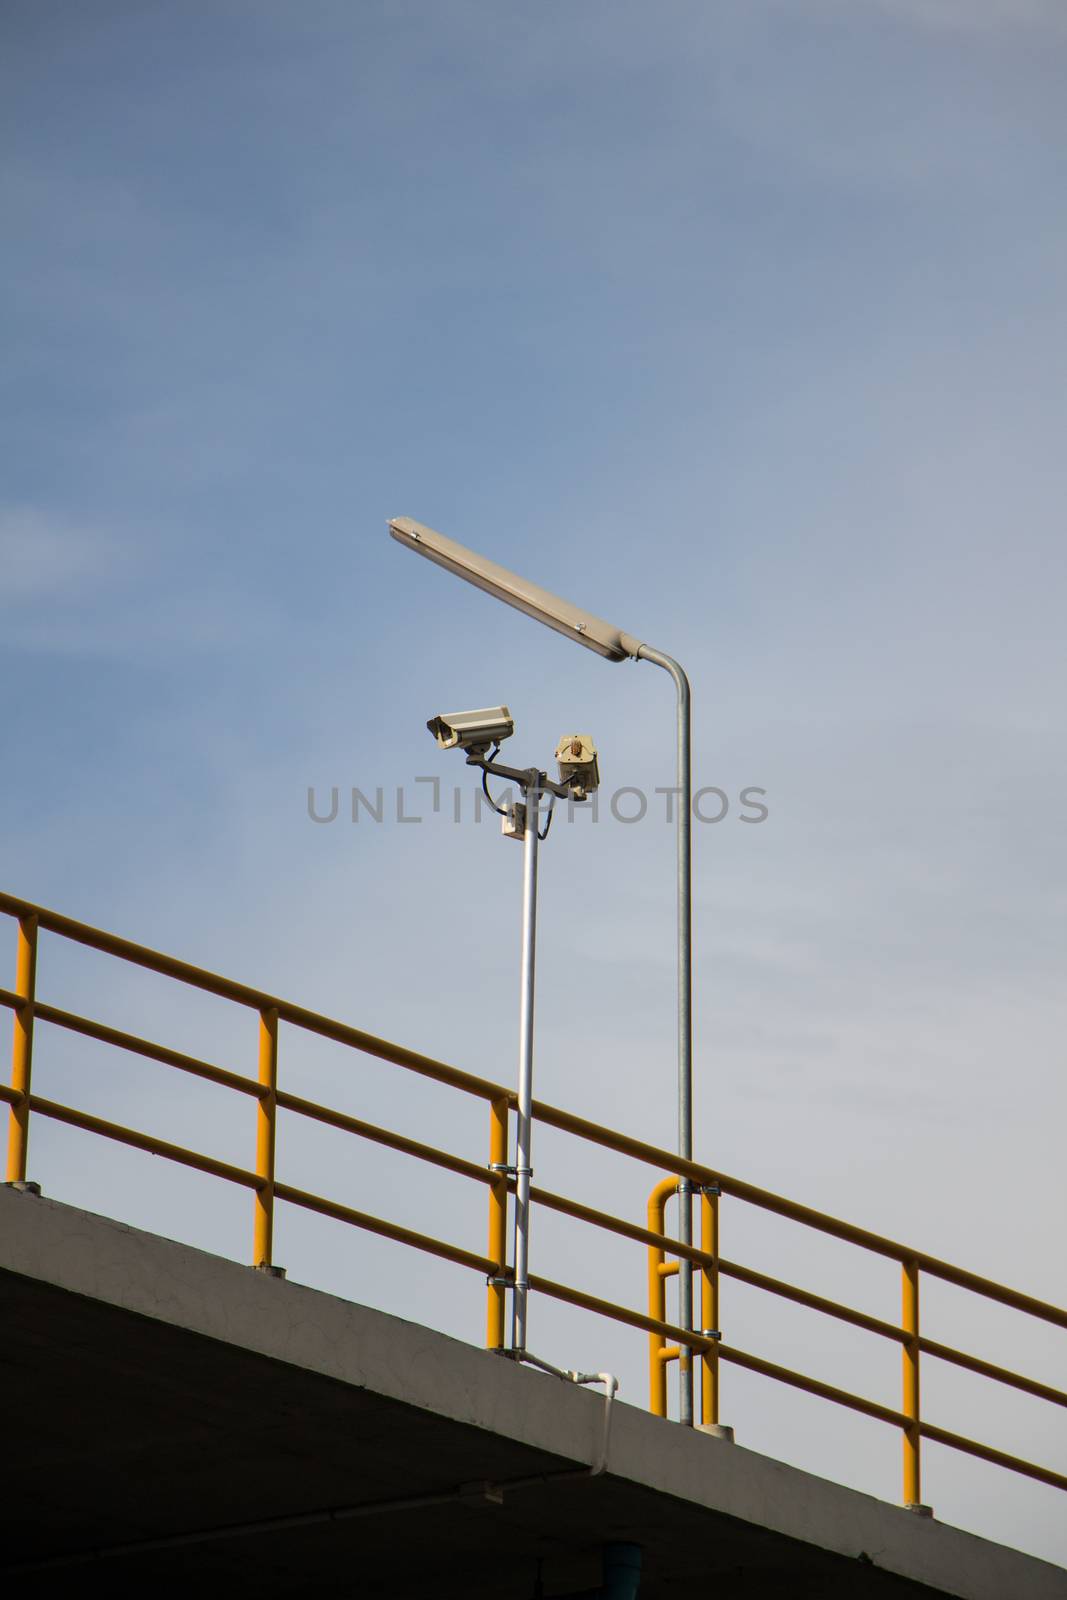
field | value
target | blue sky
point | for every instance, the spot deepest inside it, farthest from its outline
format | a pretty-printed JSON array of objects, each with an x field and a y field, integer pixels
[{"x": 742, "y": 325}]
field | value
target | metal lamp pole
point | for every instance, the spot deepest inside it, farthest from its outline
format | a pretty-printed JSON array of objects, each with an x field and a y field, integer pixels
[
  {"x": 614, "y": 645},
  {"x": 685, "y": 1012}
]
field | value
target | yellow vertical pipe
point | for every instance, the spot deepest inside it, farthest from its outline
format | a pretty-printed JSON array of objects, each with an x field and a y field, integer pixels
[
  {"x": 910, "y": 1405},
  {"x": 657, "y": 1297},
  {"x": 709, "y": 1303},
  {"x": 18, "y": 1134},
  {"x": 498, "y": 1222},
  {"x": 266, "y": 1126}
]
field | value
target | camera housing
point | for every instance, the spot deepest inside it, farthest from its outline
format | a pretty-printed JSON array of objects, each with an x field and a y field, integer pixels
[
  {"x": 578, "y": 766},
  {"x": 473, "y": 731}
]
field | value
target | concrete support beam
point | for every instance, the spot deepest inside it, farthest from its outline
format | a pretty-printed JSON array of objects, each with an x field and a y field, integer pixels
[{"x": 158, "y": 1396}]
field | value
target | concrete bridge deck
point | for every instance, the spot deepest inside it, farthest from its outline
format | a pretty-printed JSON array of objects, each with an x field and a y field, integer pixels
[{"x": 173, "y": 1422}]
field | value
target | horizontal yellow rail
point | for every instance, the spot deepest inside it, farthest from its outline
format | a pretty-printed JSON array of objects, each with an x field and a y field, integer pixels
[
  {"x": 394, "y": 1141},
  {"x": 386, "y": 1230},
  {"x": 788, "y": 1291},
  {"x": 256, "y": 999},
  {"x": 137, "y": 1140},
  {"x": 795, "y": 1380},
  {"x": 669, "y": 1342},
  {"x": 998, "y": 1458},
  {"x": 767, "y": 1201},
  {"x": 142, "y": 1047}
]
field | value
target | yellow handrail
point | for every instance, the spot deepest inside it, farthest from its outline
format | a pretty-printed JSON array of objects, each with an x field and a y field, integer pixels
[
  {"x": 908, "y": 1419},
  {"x": 657, "y": 1296},
  {"x": 667, "y": 1342}
]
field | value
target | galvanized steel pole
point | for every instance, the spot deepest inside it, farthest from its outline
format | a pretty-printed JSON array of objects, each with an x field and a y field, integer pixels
[
  {"x": 524, "y": 1119},
  {"x": 685, "y": 1012}
]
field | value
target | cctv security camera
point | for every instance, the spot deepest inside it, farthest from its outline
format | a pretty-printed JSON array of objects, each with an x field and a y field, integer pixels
[
  {"x": 473, "y": 731},
  {"x": 578, "y": 766}
]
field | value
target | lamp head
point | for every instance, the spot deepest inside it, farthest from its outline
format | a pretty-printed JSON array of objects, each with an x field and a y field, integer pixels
[{"x": 596, "y": 634}]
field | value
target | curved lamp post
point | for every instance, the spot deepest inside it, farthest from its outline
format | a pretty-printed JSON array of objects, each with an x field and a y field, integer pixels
[{"x": 614, "y": 645}]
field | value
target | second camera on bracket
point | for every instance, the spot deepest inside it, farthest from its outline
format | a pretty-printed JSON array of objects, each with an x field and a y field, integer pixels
[{"x": 578, "y": 765}]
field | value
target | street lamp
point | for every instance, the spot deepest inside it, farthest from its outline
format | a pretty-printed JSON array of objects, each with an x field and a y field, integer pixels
[
  {"x": 480, "y": 734},
  {"x": 614, "y": 645}
]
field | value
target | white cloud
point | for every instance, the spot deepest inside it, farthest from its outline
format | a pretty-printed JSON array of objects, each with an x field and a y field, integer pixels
[
  {"x": 963, "y": 16},
  {"x": 41, "y": 558}
]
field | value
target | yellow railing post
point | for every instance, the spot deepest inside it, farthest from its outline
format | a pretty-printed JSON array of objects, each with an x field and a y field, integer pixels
[
  {"x": 18, "y": 1135},
  {"x": 657, "y": 1298},
  {"x": 709, "y": 1303},
  {"x": 910, "y": 1404},
  {"x": 498, "y": 1222},
  {"x": 266, "y": 1129}
]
